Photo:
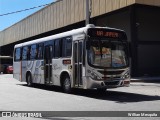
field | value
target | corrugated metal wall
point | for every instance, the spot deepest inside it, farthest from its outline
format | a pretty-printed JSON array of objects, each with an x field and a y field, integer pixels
[{"x": 60, "y": 14}]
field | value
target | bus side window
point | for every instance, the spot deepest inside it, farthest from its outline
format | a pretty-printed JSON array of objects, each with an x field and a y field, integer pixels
[
  {"x": 33, "y": 52},
  {"x": 53, "y": 50},
  {"x": 24, "y": 53},
  {"x": 17, "y": 55},
  {"x": 28, "y": 52},
  {"x": 57, "y": 48},
  {"x": 40, "y": 51},
  {"x": 66, "y": 47}
]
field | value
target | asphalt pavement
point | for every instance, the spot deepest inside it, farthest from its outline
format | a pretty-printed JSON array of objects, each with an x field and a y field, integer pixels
[{"x": 140, "y": 96}]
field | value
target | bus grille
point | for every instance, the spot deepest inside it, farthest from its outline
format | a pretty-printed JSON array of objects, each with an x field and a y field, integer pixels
[
  {"x": 112, "y": 83},
  {"x": 111, "y": 72},
  {"x": 111, "y": 75}
]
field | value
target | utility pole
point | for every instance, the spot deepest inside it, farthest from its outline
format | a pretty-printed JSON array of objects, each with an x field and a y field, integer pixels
[{"x": 87, "y": 12}]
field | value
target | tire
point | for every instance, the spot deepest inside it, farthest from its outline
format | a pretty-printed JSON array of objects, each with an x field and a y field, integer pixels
[
  {"x": 66, "y": 84},
  {"x": 29, "y": 80}
]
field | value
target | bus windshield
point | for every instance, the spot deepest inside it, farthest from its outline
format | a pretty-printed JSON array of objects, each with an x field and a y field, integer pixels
[{"x": 107, "y": 53}]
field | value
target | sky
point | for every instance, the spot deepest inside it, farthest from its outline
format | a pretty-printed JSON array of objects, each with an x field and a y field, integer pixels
[{"x": 7, "y": 6}]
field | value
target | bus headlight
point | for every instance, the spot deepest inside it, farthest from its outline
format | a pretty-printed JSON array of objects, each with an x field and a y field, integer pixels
[
  {"x": 126, "y": 75},
  {"x": 93, "y": 75}
]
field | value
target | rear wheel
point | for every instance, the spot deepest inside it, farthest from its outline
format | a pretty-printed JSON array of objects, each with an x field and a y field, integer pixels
[
  {"x": 66, "y": 84},
  {"x": 29, "y": 80}
]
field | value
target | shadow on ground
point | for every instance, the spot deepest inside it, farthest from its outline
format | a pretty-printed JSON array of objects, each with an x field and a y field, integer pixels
[{"x": 109, "y": 95}]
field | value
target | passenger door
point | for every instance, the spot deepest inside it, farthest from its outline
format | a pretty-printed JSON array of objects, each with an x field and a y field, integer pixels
[
  {"x": 48, "y": 52},
  {"x": 78, "y": 58}
]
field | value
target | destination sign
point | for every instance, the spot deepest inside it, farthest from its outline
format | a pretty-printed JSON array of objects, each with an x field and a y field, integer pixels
[{"x": 107, "y": 33}]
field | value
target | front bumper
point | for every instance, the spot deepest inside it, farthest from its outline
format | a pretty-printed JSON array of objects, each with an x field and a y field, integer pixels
[{"x": 89, "y": 83}]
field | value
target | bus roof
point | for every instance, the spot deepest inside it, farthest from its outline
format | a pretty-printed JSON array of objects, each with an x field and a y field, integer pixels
[{"x": 82, "y": 30}]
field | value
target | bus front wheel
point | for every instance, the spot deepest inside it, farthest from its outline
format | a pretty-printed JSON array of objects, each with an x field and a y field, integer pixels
[
  {"x": 66, "y": 84},
  {"x": 29, "y": 80}
]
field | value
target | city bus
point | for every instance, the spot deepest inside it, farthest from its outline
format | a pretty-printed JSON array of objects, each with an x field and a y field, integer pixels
[{"x": 89, "y": 58}]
